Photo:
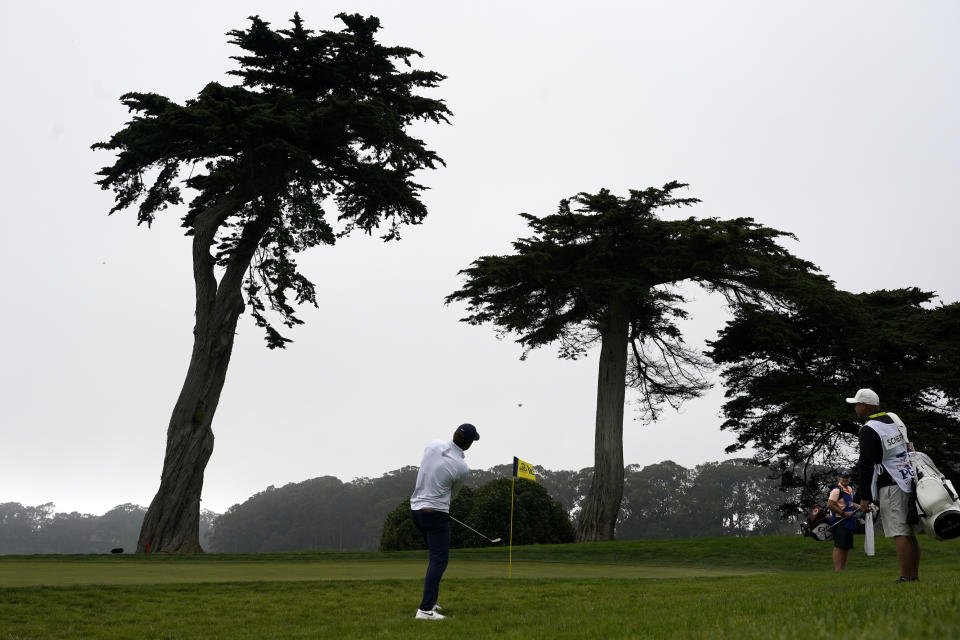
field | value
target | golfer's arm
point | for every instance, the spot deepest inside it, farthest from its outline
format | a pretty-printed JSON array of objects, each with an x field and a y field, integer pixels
[{"x": 455, "y": 486}]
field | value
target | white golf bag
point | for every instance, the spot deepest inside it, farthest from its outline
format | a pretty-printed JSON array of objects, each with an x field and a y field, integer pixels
[{"x": 937, "y": 502}]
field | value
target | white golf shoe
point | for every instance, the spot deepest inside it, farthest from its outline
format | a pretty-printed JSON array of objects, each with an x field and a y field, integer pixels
[
  {"x": 429, "y": 615},
  {"x": 437, "y": 607}
]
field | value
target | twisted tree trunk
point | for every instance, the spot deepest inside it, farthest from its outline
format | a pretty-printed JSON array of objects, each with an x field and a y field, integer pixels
[
  {"x": 172, "y": 523},
  {"x": 598, "y": 518}
]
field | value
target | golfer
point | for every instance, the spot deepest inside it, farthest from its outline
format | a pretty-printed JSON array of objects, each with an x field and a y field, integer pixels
[
  {"x": 840, "y": 504},
  {"x": 442, "y": 473},
  {"x": 886, "y": 474}
]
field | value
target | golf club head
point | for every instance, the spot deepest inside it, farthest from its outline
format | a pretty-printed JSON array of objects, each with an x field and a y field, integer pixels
[{"x": 495, "y": 540}]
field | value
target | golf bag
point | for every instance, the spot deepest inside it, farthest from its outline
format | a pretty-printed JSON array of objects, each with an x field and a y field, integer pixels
[
  {"x": 937, "y": 502},
  {"x": 816, "y": 526},
  {"x": 819, "y": 527}
]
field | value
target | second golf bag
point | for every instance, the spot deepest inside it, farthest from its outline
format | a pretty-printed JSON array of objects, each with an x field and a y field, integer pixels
[
  {"x": 937, "y": 502},
  {"x": 817, "y": 526}
]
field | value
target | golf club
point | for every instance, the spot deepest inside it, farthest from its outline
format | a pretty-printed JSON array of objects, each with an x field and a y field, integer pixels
[
  {"x": 474, "y": 530},
  {"x": 856, "y": 508}
]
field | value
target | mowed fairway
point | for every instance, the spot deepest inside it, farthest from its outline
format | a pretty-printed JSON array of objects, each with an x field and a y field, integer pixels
[{"x": 769, "y": 587}]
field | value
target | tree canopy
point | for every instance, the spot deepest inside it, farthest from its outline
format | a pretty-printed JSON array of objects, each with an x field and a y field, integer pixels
[
  {"x": 787, "y": 371},
  {"x": 558, "y": 285},
  {"x": 316, "y": 117}
]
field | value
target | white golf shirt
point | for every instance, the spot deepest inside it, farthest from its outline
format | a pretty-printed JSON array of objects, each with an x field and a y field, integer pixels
[{"x": 442, "y": 473}]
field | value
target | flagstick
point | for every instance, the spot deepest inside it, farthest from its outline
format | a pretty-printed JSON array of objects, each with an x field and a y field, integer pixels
[{"x": 513, "y": 482}]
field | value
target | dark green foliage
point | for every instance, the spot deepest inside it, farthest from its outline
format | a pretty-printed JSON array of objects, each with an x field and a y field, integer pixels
[
  {"x": 399, "y": 532},
  {"x": 537, "y": 519},
  {"x": 788, "y": 370},
  {"x": 317, "y": 116}
]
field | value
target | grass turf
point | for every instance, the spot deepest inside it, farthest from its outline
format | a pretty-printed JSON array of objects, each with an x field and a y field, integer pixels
[{"x": 780, "y": 587}]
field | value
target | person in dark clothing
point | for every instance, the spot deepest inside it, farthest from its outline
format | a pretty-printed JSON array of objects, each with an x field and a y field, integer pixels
[{"x": 887, "y": 476}]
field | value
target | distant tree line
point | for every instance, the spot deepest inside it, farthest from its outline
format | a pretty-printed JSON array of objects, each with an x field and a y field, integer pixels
[
  {"x": 38, "y": 529},
  {"x": 731, "y": 498},
  {"x": 664, "y": 500},
  {"x": 322, "y": 513}
]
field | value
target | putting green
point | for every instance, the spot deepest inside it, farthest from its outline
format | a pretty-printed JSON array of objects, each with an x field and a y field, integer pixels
[{"x": 30, "y": 573}]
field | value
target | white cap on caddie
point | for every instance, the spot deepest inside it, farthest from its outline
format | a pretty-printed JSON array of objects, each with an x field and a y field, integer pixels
[{"x": 866, "y": 396}]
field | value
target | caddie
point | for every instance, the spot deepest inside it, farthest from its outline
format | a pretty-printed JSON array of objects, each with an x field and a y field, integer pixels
[
  {"x": 841, "y": 507},
  {"x": 886, "y": 474}
]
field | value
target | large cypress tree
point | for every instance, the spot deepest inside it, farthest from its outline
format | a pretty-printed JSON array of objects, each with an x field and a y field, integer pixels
[
  {"x": 606, "y": 269},
  {"x": 318, "y": 119}
]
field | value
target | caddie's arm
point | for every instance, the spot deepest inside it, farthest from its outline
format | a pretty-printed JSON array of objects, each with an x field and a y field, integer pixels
[
  {"x": 833, "y": 503},
  {"x": 871, "y": 452}
]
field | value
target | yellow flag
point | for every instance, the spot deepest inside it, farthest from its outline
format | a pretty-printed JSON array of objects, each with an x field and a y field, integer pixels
[{"x": 523, "y": 469}]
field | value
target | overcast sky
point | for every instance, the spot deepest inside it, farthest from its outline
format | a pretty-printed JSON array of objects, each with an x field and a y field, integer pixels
[{"x": 837, "y": 121}]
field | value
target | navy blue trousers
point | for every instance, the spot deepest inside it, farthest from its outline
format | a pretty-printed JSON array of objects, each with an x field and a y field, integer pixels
[{"x": 435, "y": 527}]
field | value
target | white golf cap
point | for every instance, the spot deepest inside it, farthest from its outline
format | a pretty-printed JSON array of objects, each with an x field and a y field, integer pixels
[{"x": 866, "y": 396}]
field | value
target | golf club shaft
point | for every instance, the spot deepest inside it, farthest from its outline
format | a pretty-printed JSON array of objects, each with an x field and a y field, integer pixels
[
  {"x": 474, "y": 530},
  {"x": 839, "y": 519}
]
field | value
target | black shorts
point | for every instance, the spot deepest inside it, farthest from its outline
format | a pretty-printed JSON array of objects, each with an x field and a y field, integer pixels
[{"x": 842, "y": 537}]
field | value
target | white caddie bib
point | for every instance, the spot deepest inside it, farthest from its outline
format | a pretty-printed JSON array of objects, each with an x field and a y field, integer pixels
[{"x": 895, "y": 459}]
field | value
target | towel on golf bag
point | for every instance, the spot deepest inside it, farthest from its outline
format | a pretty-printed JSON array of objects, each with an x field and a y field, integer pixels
[{"x": 868, "y": 545}]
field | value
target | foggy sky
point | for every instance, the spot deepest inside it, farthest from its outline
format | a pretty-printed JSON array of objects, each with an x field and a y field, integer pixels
[{"x": 835, "y": 121}]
